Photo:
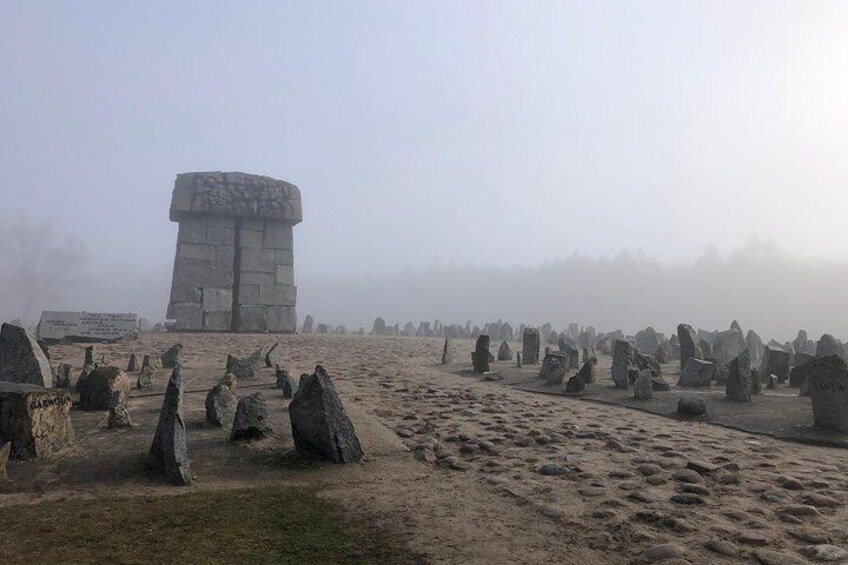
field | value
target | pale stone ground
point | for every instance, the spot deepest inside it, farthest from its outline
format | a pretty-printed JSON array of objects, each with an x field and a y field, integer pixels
[{"x": 466, "y": 471}]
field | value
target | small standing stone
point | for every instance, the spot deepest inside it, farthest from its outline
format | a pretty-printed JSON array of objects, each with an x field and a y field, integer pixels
[
  {"x": 119, "y": 416},
  {"x": 63, "y": 375},
  {"x": 621, "y": 356},
  {"x": 132, "y": 365},
  {"x": 504, "y": 352},
  {"x": 480, "y": 356},
  {"x": 147, "y": 377},
  {"x": 5, "y": 451},
  {"x": 447, "y": 358},
  {"x": 286, "y": 383},
  {"x": 169, "y": 443},
  {"x": 530, "y": 346},
  {"x": 643, "y": 388},
  {"x": 171, "y": 357},
  {"x": 220, "y": 406},
  {"x": 252, "y": 419},
  {"x": 272, "y": 358},
  {"x": 739, "y": 385}
]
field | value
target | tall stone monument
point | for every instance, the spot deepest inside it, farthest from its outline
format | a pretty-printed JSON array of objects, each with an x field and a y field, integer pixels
[{"x": 234, "y": 265}]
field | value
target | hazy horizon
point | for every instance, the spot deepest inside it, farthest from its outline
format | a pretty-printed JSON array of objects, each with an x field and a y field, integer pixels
[{"x": 450, "y": 155}]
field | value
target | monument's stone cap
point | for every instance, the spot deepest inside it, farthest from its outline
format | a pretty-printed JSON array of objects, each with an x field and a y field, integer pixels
[{"x": 235, "y": 194}]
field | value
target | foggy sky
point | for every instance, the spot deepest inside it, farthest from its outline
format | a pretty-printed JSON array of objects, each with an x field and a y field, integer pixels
[{"x": 433, "y": 136}]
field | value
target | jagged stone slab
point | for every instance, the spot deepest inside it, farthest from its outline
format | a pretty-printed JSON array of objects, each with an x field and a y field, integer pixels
[
  {"x": 172, "y": 357},
  {"x": 98, "y": 389},
  {"x": 319, "y": 422},
  {"x": 169, "y": 443},
  {"x": 22, "y": 359}
]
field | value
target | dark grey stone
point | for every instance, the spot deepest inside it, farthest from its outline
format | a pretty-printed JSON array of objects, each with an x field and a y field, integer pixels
[
  {"x": 132, "y": 364},
  {"x": 220, "y": 406},
  {"x": 480, "y": 356},
  {"x": 171, "y": 357},
  {"x": 775, "y": 362},
  {"x": 319, "y": 422},
  {"x": 308, "y": 322},
  {"x": 691, "y": 406},
  {"x": 622, "y": 355},
  {"x": 21, "y": 358},
  {"x": 272, "y": 358},
  {"x": 169, "y": 443},
  {"x": 739, "y": 382},
  {"x": 504, "y": 352},
  {"x": 828, "y": 389},
  {"x": 727, "y": 346},
  {"x": 553, "y": 368},
  {"x": 689, "y": 344},
  {"x": 697, "y": 373},
  {"x": 530, "y": 346},
  {"x": 286, "y": 383},
  {"x": 252, "y": 419},
  {"x": 63, "y": 376},
  {"x": 829, "y": 345},
  {"x": 447, "y": 357}
]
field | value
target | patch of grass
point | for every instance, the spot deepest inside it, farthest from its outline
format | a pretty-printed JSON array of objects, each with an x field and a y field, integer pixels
[{"x": 256, "y": 525}]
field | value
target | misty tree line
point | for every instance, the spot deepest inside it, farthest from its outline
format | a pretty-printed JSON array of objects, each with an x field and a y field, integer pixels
[
  {"x": 41, "y": 268},
  {"x": 757, "y": 285}
]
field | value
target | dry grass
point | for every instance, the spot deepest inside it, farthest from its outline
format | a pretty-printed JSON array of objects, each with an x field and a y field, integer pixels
[{"x": 255, "y": 525}]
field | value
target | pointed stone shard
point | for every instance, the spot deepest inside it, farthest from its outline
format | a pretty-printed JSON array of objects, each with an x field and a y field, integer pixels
[
  {"x": 447, "y": 358},
  {"x": 739, "y": 385},
  {"x": 132, "y": 365},
  {"x": 272, "y": 358},
  {"x": 169, "y": 443},
  {"x": 22, "y": 359},
  {"x": 171, "y": 358},
  {"x": 319, "y": 422},
  {"x": 286, "y": 383},
  {"x": 220, "y": 406}
]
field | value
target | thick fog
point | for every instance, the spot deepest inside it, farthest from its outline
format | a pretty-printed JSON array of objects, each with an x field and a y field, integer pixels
[{"x": 609, "y": 163}]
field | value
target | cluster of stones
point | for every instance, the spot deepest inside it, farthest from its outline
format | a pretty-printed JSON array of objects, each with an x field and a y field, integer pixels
[
  {"x": 497, "y": 331},
  {"x": 234, "y": 266}
]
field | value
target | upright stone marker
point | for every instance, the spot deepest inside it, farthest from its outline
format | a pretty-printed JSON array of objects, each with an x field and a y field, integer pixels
[
  {"x": 234, "y": 267},
  {"x": 319, "y": 422},
  {"x": 21, "y": 358},
  {"x": 169, "y": 443},
  {"x": 622, "y": 355},
  {"x": 828, "y": 388},
  {"x": 530, "y": 346},
  {"x": 480, "y": 356},
  {"x": 689, "y": 344},
  {"x": 739, "y": 384}
]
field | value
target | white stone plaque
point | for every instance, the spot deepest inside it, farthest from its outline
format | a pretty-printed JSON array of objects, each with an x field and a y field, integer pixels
[{"x": 87, "y": 325}]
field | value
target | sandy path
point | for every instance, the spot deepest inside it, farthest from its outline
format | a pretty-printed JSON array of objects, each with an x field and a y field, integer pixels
[{"x": 467, "y": 471}]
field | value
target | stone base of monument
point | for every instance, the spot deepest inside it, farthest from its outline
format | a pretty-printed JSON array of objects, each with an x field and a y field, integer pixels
[{"x": 36, "y": 420}]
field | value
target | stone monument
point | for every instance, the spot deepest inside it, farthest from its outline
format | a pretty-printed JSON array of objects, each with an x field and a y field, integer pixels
[{"x": 234, "y": 265}]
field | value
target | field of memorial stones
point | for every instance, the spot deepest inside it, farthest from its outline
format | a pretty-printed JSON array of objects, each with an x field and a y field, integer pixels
[{"x": 467, "y": 457}]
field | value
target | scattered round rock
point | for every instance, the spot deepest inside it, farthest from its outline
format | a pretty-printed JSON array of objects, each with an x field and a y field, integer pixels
[
  {"x": 661, "y": 552},
  {"x": 691, "y": 406}
]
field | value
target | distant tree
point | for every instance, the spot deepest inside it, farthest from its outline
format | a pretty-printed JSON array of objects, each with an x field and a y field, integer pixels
[{"x": 36, "y": 264}]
